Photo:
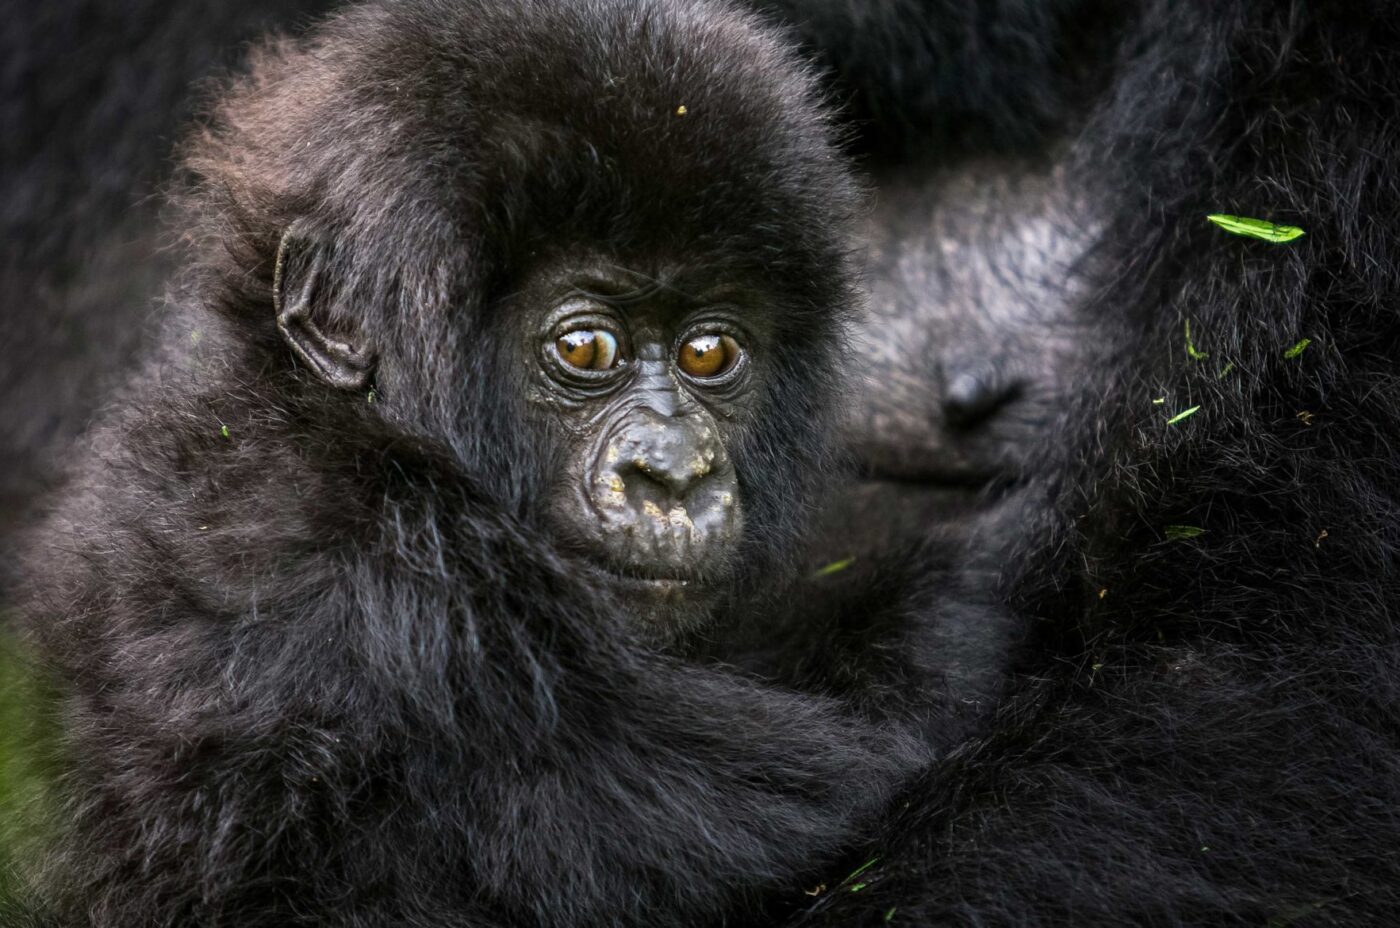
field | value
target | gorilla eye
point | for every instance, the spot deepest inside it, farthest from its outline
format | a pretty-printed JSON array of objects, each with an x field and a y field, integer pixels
[
  {"x": 588, "y": 349},
  {"x": 709, "y": 355}
]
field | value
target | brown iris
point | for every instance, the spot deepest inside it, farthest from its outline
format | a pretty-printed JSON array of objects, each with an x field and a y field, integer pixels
[
  {"x": 588, "y": 349},
  {"x": 709, "y": 355}
]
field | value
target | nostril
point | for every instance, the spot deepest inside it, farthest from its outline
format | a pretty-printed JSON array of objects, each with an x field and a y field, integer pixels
[
  {"x": 675, "y": 467},
  {"x": 662, "y": 470},
  {"x": 972, "y": 392},
  {"x": 664, "y": 459}
]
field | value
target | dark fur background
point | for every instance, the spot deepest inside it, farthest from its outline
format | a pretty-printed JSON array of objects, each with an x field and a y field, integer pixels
[{"x": 1211, "y": 732}]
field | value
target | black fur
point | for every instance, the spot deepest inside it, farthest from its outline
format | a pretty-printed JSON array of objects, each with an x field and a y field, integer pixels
[
  {"x": 93, "y": 96},
  {"x": 321, "y": 662},
  {"x": 1202, "y": 731},
  {"x": 1207, "y": 732},
  {"x": 944, "y": 74}
]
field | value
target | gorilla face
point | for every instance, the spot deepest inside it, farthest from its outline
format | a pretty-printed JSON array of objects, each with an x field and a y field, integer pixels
[
  {"x": 640, "y": 383},
  {"x": 972, "y": 358},
  {"x": 970, "y": 348},
  {"x": 644, "y": 384}
]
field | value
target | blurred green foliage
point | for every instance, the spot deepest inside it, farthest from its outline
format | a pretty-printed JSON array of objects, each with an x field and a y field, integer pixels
[{"x": 27, "y": 764}]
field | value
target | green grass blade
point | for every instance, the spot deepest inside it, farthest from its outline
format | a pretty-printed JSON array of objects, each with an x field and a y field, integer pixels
[
  {"x": 1255, "y": 228},
  {"x": 833, "y": 567},
  {"x": 1184, "y": 414},
  {"x": 1191, "y": 350}
]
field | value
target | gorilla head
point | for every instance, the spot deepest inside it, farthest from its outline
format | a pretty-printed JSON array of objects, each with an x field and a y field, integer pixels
[
  {"x": 976, "y": 368},
  {"x": 639, "y": 380},
  {"x": 592, "y": 295}
]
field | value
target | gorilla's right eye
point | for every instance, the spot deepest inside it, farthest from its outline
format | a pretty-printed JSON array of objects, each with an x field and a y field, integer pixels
[{"x": 588, "y": 349}]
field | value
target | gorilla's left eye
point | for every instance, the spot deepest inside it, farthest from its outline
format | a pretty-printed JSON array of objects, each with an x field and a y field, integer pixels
[
  {"x": 709, "y": 355},
  {"x": 588, "y": 349}
]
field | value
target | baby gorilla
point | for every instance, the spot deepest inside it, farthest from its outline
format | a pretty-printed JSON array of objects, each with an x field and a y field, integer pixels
[{"x": 356, "y": 633}]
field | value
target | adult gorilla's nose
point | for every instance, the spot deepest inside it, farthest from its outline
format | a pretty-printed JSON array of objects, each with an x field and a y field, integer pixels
[{"x": 973, "y": 390}]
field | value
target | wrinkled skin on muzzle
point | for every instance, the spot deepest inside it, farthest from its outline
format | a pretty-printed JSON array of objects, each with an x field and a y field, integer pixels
[{"x": 665, "y": 494}]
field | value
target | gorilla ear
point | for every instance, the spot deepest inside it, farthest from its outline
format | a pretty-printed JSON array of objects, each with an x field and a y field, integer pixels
[{"x": 300, "y": 295}]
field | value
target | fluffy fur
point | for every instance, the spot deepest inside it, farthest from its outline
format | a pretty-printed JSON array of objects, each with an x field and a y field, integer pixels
[
  {"x": 956, "y": 75},
  {"x": 1203, "y": 731},
  {"x": 95, "y": 95},
  {"x": 321, "y": 662},
  {"x": 1207, "y": 732}
]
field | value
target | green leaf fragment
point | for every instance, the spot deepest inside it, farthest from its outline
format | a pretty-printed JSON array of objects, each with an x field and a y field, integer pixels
[
  {"x": 1225, "y": 370},
  {"x": 1255, "y": 228},
  {"x": 1159, "y": 401},
  {"x": 1191, "y": 350},
  {"x": 858, "y": 887},
  {"x": 1184, "y": 414},
  {"x": 861, "y": 869},
  {"x": 1297, "y": 349},
  {"x": 889, "y": 915},
  {"x": 828, "y": 570},
  {"x": 1183, "y": 532},
  {"x": 223, "y": 430}
]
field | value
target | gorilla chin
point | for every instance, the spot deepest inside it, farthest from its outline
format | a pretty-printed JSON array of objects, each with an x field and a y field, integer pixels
[{"x": 664, "y": 608}]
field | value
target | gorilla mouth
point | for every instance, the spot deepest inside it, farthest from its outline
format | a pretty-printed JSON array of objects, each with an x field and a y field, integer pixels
[
  {"x": 651, "y": 583},
  {"x": 661, "y": 605},
  {"x": 972, "y": 481},
  {"x": 899, "y": 494},
  {"x": 935, "y": 470}
]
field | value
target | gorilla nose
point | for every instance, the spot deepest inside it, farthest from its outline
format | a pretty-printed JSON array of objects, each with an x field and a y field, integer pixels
[
  {"x": 666, "y": 494},
  {"x": 973, "y": 391},
  {"x": 674, "y": 453}
]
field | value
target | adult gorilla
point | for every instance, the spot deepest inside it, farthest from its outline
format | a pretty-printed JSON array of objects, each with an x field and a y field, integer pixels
[{"x": 1205, "y": 727}]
